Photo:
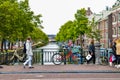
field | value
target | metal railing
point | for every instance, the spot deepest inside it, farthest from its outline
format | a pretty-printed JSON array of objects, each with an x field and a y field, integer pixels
[{"x": 42, "y": 56}]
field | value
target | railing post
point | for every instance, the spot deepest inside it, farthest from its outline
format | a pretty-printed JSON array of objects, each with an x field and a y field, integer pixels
[
  {"x": 42, "y": 63},
  {"x": 81, "y": 57}
]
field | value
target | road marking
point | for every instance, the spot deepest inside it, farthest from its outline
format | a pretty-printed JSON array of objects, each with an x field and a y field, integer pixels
[{"x": 40, "y": 76}]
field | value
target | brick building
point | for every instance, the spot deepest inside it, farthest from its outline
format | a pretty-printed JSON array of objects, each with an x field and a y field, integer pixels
[{"x": 108, "y": 23}]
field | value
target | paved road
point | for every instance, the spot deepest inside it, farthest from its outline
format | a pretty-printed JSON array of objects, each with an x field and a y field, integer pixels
[
  {"x": 61, "y": 76},
  {"x": 60, "y": 72}
]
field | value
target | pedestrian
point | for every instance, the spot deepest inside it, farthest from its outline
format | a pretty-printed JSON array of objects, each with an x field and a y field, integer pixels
[
  {"x": 118, "y": 53},
  {"x": 29, "y": 53},
  {"x": 118, "y": 50},
  {"x": 91, "y": 49},
  {"x": 114, "y": 49}
]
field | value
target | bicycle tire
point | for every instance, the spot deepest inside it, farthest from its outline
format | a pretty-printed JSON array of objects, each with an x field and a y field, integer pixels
[
  {"x": 57, "y": 59},
  {"x": 103, "y": 61}
]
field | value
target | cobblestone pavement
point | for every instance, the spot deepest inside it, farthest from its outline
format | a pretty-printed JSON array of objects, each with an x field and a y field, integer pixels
[{"x": 59, "y": 72}]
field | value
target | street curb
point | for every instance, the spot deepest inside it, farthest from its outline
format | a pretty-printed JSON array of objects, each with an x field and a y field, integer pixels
[{"x": 37, "y": 72}]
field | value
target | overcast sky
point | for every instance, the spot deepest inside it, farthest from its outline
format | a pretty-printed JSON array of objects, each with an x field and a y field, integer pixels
[{"x": 57, "y": 12}]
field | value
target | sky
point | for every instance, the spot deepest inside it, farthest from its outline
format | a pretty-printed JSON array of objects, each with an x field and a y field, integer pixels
[{"x": 56, "y": 13}]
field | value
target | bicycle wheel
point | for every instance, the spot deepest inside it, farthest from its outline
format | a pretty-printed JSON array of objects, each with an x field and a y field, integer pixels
[
  {"x": 103, "y": 60},
  {"x": 57, "y": 59}
]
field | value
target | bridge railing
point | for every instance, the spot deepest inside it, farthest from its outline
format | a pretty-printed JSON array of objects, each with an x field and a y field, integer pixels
[{"x": 42, "y": 56}]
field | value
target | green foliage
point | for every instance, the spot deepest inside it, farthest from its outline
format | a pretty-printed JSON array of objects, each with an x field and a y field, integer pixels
[
  {"x": 79, "y": 27},
  {"x": 72, "y": 29},
  {"x": 17, "y": 21},
  {"x": 81, "y": 21},
  {"x": 93, "y": 32},
  {"x": 67, "y": 31}
]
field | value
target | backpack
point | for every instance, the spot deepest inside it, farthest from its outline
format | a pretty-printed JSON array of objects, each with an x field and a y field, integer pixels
[{"x": 24, "y": 48}]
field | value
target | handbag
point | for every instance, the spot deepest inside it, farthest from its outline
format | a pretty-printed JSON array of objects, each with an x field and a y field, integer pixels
[
  {"x": 88, "y": 57},
  {"x": 113, "y": 58}
]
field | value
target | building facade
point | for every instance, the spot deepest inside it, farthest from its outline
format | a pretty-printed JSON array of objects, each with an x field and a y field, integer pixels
[{"x": 108, "y": 23}]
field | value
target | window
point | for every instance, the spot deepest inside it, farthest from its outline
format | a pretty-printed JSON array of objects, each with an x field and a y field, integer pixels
[
  {"x": 114, "y": 31},
  {"x": 106, "y": 24},
  {"x": 119, "y": 30},
  {"x": 114, "y": 18},
  {"x": 119, "y": 16}
]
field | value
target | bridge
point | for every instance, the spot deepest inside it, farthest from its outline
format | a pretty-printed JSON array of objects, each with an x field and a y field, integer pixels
[
  {"x": 51, "y": 38},
  {"x": 44, "y": 71},
  {"x": 55, "y": 72}
]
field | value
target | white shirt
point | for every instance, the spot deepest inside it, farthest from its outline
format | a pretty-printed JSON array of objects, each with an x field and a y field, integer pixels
[{"x": 29, "y": 48}]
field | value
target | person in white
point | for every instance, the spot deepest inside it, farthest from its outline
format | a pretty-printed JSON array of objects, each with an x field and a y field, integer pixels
[{"x": 29, "y": 53}]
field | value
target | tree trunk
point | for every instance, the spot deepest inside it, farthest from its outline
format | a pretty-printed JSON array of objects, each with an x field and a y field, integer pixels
[{"x": 2, "y": 45}]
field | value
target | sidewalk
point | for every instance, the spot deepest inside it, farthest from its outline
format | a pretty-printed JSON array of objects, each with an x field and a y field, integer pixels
[{"x": 69, "y": 68}]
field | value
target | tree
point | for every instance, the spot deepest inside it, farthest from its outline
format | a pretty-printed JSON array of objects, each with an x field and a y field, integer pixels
[
  {"x": 67, "y": 32},
  {"x": 81, "y": 23},
  {"x": 93, "y": 32},
  {"x": 17, "y": 21},
  {"x": 73, "y": 29}
]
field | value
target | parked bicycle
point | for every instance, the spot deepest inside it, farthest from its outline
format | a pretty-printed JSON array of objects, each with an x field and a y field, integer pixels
[
  {"x": 60, "y": 57},
  {"x": 16, "y": 57},
  {"x": 103, "y": 59}
]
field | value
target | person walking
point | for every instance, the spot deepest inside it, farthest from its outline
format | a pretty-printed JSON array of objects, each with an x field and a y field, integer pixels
[
  {"x": 114, "y": 49},
  {"x": 91, "y": 49},
  {"x": 29, "y": 53},
  {"x": 118, "y": 50}
]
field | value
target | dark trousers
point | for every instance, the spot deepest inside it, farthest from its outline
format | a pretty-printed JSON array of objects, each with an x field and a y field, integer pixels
[
  {"x": 118, "y": 59},
  {"x": 115, "y": 61}
]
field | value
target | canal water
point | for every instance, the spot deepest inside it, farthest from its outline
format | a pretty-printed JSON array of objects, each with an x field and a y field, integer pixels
[{"x": 51, "y": 45}]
